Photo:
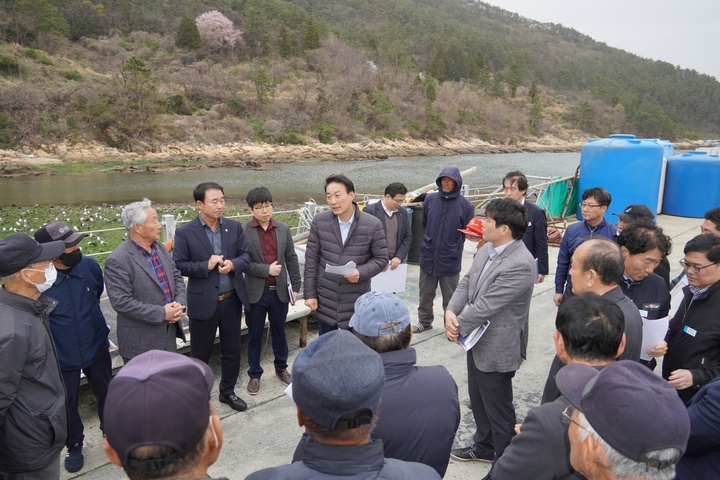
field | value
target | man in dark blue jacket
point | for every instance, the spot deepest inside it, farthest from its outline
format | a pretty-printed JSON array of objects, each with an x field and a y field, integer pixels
[
  {"x": 382, "y": 322},
  {"x": 702, "y": 456},
  {"x": 79, "y": 329},
  {"x": 594, "y": 204},
  {"x": 444, "y": 213},
  {"x": 643, "y": 246}
]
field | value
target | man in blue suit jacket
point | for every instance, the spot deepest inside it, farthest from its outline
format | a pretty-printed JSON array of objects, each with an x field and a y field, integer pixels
[
  {"x": 515, "y": 185},
  {"x": 212, "y": 252}
]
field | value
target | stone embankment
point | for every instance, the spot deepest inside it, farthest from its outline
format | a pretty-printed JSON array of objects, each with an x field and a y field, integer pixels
[{"x": 253, "y": 155}]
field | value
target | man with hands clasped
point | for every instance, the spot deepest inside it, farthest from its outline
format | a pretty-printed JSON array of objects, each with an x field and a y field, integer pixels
[{"x": 212, "y": 252}]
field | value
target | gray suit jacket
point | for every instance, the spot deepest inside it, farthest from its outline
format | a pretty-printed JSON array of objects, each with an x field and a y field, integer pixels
[
  {"x": 257, "y": 271},
  {"x": 139, "y": 300},
  {"x": 502, "y": 296}
]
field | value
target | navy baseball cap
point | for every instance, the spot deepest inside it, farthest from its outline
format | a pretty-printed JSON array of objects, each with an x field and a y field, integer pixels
[
  {"x": 635, "y": 212},
  {"x": 58, "y": 231},
  {"x": 334, "y": 376},
  {"x": 631, "y": 408},
  {"x": 19, "y": 250},
  {"x": 158, "y": 398}
]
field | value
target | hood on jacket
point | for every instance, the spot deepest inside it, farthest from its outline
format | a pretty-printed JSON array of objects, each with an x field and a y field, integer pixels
[{"x": 454, "y": 174}]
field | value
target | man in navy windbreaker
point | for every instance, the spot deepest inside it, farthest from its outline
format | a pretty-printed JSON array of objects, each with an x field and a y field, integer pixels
[
  {"x": 444, "y": 213},
  {"x": 79, "y": 330}
]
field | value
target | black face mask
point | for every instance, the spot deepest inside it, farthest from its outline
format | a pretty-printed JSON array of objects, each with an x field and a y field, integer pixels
[{"x": 71, "y": 259}]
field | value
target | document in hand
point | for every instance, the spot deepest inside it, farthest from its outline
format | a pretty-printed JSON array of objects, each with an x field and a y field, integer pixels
[
  {"x": 291, "y": 294},
  {"x": 469, "y": 340}
]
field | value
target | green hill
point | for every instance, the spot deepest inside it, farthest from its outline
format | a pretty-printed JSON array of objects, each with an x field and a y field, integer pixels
[{"x": 132, "y": 74}]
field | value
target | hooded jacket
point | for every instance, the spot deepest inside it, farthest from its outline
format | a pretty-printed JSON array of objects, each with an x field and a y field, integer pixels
[{"x": 443, "y": 214}]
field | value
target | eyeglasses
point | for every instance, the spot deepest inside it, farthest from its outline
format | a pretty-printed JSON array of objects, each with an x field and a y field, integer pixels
[
  {"x": 399, "y": 201},
  {"x": 264, "y": 207},
  {"x": 692, "y": 268},
  {"x": 589, "y": 205},
  {"x": 567, "y": 417}
]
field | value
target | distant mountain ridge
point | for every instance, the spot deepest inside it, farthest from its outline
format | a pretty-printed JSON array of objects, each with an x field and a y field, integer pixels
[{"x": 118, "y": 72}]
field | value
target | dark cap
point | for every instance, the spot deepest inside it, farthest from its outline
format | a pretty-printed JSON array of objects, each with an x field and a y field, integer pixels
[
  {"x": 379, "y": 313},
  {"x": 334, "y": 376},
  {"x": 158, "y": 398},
  {"x": 631, "y": 408},
  {"x": 20, "y": 250},
  {"x": 58, "y": 231},
  {"x": 635, "y": 212}
]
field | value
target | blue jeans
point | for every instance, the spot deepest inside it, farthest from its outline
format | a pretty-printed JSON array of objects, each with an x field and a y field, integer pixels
[{"x": 276, "y": 312}]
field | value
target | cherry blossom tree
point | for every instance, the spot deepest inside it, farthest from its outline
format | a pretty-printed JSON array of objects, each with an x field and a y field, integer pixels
[{"x": 217, "y": 31}]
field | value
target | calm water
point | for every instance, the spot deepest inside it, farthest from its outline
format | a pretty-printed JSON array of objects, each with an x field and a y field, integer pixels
[{"x": 292, "y": 183}]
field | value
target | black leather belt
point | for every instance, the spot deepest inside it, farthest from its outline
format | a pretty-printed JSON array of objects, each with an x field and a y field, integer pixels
[
  {"x": 271, "y": 287},
  {"x": 225, "y": 295}
]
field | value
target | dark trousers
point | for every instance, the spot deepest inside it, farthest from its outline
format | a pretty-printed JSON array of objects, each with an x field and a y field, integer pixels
[
  {"x": 227, "y": 318},
  {"x": 428, "y": 286},
  {"x": 49, "y": 472},
  {"x": 98, "y": 374},
  {"x": 276, "y": 312},
  {"x": 491, "y": 401}
]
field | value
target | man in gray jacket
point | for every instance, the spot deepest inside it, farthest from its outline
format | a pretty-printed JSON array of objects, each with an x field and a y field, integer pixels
[
  {"x": 144, "y": 287},
  {"x": 344, "y": 234},
  {"x": 497, "y": 289},
  {"x": 273, "y": 267},
  {"x": 33, "y": 417}
]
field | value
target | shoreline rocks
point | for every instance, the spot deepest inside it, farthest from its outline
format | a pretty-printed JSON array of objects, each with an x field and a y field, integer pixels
[{"x": 253, "y": 155}]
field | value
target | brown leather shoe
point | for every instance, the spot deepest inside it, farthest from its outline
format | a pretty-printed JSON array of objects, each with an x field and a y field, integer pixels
[
  {"x": 284, "y": 376},
  {"x": 253, "y": 386}
]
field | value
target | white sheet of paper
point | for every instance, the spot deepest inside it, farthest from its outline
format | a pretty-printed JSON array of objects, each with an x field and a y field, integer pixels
[
  {"x": 472, "y": 338},
  {"x": 653, "y": 333},
  {"x": 676, "y": 295},
  {"x": 341, "y": 269},
  {"x": 390, "y": 280}
]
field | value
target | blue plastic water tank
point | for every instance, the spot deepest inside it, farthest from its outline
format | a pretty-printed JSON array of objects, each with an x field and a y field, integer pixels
[
  {"x": 692, "y": 184},
  {"x": 629, "y": 168}
]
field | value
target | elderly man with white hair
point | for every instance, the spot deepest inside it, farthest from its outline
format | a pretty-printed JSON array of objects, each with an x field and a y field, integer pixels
[
  {"x": 625, "y": 422},
  {"x": 144, "y": 287}
]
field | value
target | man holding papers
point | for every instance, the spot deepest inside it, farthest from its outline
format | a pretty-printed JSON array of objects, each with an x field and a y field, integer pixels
[
  {"x": 643, "y": 246},
  {"x": 272, "y": 280},
  {"x": 497, "y": 288},
  {"x": 396, "y": 222},
  {"x": 343, "y": 234}
]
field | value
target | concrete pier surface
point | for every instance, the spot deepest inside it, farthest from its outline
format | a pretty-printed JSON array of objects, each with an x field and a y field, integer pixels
[{"x": 267, "y": 433}]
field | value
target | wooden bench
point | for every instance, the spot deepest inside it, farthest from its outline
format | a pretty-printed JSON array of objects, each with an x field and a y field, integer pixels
[{"x": 298, "y": 312}]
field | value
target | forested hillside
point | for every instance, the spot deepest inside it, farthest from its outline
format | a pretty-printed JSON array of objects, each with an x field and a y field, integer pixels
[{"x": 137, "y": 73}]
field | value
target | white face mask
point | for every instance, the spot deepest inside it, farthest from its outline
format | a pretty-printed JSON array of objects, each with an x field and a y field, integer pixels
[{"x": 50, "y": 277}]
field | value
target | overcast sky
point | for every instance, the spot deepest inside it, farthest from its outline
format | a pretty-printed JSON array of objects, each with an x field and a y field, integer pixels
[{"x": 685, "y": 33}]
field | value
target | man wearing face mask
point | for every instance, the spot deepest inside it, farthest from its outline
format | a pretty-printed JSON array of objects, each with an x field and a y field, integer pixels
[
  {"x": 79, "y": 330},
  {"x": 33, "y": 419}
]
